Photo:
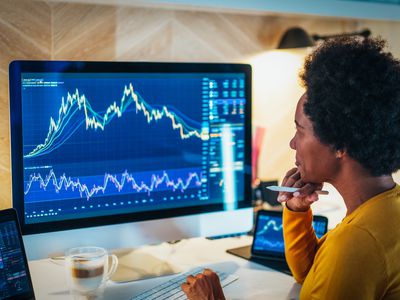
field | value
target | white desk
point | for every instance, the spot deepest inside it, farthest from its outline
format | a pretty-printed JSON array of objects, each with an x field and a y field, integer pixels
[{"x": 255, "y": 281}]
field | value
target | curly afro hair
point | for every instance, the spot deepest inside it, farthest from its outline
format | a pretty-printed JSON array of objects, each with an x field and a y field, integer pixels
[{"x": 353, "y": 90}]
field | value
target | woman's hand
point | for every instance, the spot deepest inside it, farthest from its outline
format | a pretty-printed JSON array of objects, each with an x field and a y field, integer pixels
[
  {"x": 203, "y": 286},
  {"x": 302, "y": 199}
]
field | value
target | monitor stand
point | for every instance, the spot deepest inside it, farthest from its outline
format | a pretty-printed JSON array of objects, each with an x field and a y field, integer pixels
[{"x": 143, "y": 263}]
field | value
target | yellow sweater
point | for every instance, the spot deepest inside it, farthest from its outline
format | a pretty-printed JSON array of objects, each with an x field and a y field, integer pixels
[{"x": 358, "y": 260}]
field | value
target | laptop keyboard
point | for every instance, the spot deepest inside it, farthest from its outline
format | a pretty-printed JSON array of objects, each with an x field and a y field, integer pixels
[{"x": 171, "y": 289}]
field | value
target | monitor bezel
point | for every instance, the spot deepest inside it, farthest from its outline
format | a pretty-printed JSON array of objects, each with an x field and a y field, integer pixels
[{"x": 16, "y": 68}]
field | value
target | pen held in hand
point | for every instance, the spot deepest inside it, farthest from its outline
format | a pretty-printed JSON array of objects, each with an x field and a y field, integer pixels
[{"x": 287, "y": 189}]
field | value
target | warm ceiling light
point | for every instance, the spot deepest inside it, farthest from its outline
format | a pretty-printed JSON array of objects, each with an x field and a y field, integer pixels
[{"x": 295, "y": 37}]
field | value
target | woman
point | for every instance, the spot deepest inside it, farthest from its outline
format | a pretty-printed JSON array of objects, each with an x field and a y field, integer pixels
[{"x": 347, "y": 134}]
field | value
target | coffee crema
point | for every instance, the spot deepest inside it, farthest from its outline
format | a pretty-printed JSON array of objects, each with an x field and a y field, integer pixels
[{"x": 87, "y": 272}]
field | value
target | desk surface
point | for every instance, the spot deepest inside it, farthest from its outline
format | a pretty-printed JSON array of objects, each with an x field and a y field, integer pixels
[{"x": 255, "y": 281}]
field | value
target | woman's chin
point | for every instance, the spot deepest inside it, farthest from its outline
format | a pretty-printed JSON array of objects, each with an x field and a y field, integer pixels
[
  {"x": 303, "y": 175},
  {"x": 300, "y": 169}
]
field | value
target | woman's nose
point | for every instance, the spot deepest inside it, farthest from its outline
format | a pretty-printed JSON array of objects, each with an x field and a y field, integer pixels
[{"x": 292, "y": 143}]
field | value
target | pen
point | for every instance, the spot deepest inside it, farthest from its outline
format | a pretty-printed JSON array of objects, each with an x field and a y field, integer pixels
[{"x": 287, "y": 189}]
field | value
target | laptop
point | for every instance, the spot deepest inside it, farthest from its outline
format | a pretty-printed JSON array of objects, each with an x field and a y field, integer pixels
[
  {"x": 15, "y": 279},
  {"x": 268, "y": 247}
]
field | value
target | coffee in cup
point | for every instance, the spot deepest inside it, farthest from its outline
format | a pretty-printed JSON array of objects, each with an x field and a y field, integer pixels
[{"x": 88, "y": 269}]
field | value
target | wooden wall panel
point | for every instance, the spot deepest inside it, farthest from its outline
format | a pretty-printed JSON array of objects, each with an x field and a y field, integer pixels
[
  {"x": 83, "y": 32},
  {"x": 15, "y": 45},
  {"x": 186, "y": 46},
  {"x": 388, "y": 30},
  {"x": 4, "y": 127},
  {"x": 216, "y": 32},
  {"x": 143, "y": 34},
  {"x": 25, "y": 33},
  {"x": 30, "y": 19},
  {"x": 248, "y": 29},
  {"x": 5, "y": 172},
  {"x": 5, "y": 191}
]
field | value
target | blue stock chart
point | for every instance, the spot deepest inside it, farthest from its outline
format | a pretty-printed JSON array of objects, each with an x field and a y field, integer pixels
[
  {"x": 106, "y": 143},
  {"x": 269, "y": 233},
  {"x": 14, "y": 278}
]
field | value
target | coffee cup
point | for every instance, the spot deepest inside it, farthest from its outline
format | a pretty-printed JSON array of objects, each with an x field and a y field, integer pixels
[{"x": 88, "y": 270}]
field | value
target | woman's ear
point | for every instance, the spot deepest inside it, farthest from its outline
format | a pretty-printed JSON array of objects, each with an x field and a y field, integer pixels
[{"x": 340, "y": 153}]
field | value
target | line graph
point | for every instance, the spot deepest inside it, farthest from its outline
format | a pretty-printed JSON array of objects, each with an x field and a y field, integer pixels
[
  {"x": 271, "y": 224},
  {"x": 69, "y": 120},
  {"x": 64, "y": 187},
  {"x": 269, "y": 235},
  {"x": 264, "y": 243},
  {"x": 104, "y": 143}
]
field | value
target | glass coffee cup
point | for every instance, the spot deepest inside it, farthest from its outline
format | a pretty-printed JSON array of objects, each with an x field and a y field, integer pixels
[{"x": 88, "y": 270}]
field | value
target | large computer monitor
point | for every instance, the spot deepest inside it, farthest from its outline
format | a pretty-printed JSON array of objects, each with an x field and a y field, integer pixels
[{"x": 157, "y": 150}]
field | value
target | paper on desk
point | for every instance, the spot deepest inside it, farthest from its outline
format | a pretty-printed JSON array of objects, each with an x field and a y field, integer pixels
[{"x": 141, "y": 263}]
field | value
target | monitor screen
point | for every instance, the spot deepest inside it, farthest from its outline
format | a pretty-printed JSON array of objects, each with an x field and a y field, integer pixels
[{"x": 96, "y": 143}]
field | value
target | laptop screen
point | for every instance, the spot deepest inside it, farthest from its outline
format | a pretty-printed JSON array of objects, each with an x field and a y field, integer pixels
[
  {"x": 15, "y": 280},
  {"x": 268, "y": 234}
]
